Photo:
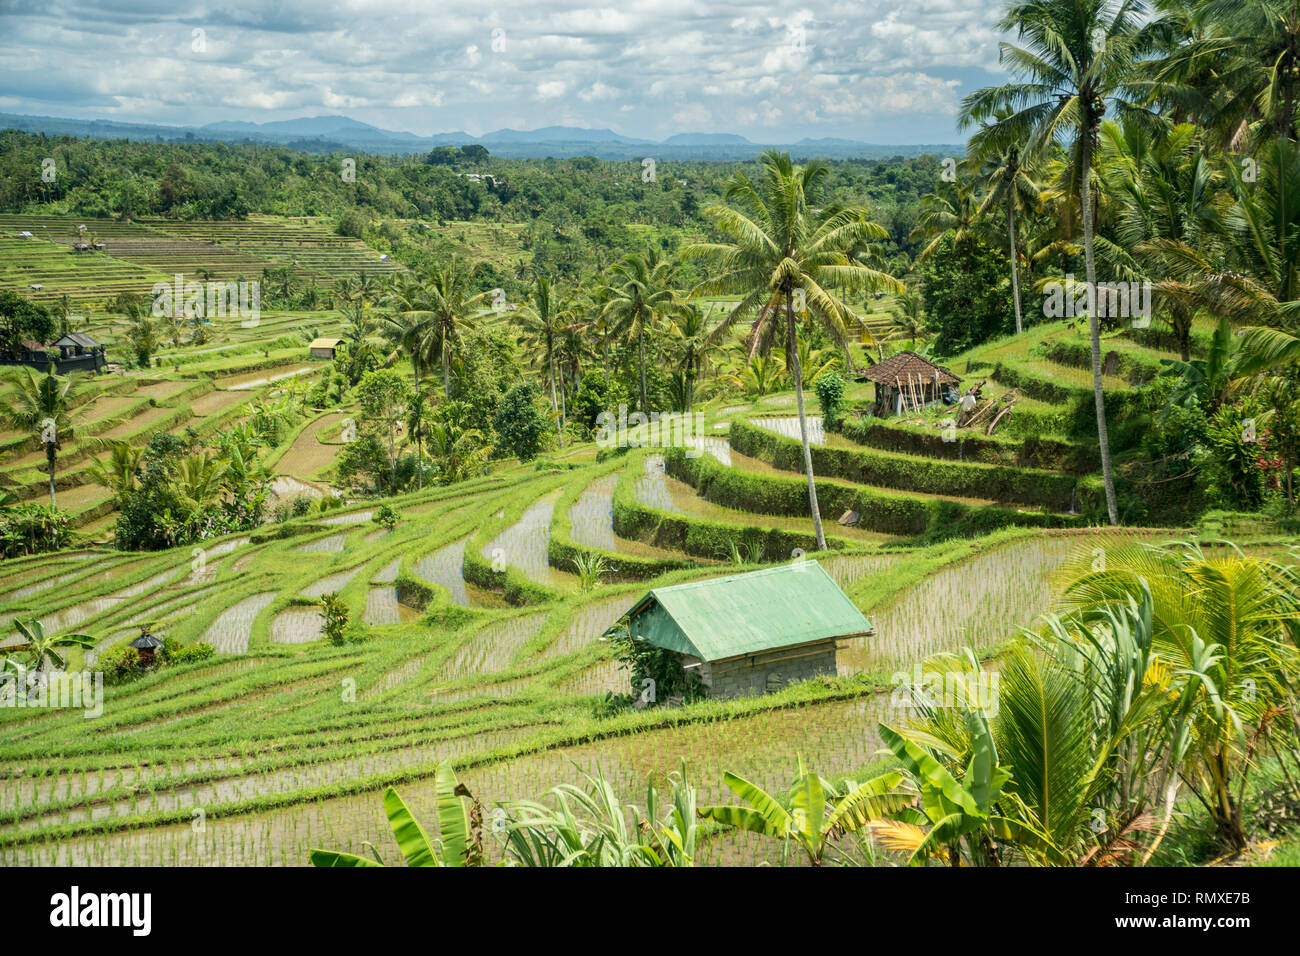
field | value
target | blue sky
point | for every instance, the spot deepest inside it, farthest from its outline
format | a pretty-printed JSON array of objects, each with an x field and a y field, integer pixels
[{"x": 870, "y": 70}]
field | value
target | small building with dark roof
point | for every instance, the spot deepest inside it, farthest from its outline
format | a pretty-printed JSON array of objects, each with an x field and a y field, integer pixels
[
  {"x": 147, "y": 646},
  {"x": 906, "y": 382},
  {"x": 750, "y": 633}
]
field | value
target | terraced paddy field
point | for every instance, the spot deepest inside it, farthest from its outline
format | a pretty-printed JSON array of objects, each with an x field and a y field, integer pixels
[
  {"x": 134, "y": 255},
  {"x": 477, "y": 644}
]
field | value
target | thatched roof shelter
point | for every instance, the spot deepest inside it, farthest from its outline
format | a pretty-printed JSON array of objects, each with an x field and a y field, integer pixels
[{"x": 905, "y": 382}]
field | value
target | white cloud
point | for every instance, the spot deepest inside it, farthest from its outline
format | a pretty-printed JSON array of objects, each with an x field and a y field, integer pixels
[{"x": 845, "y": 67}]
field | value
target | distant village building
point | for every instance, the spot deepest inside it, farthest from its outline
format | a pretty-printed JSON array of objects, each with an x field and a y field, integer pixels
[
  {"x": 74, "y": 352},
  {"x": 906, "y": 382},
  {"x": 751, "y": 633},
  {"x": 325, "y": 348}
]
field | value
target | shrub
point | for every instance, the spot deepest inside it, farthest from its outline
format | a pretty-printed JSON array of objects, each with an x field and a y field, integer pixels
[
  {"x": 119, "y": 665},
  {"x": 174, "y": 652},
  {"x": 387, "y": 516},
  {"x": 336, "y": 619},
  {"x": 830, "y": 393}
]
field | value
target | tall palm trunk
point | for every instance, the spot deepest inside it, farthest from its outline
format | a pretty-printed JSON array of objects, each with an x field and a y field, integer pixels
[
  {"x": 555, "y": 405},
  {"x": 1015, "y": 272},
  {"x": 49, "y": 458},
  {"x": 1094, "y": 328},
  {"x": 640, "y": 343},
  {"x": 803, "y": 423},
  {"x": 446, "y": 372},
  {"x": 419, "y": 432}
]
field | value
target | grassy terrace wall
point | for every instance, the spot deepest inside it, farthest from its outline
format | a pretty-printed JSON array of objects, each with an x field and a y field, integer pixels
[
  {"x": 1028, "y": 452},
  {"x": 698, "y": 536},
  {"x": 888, "y": 512},
  {"x": 969, "y": 480},
  {"x": 563, "y": 550}
]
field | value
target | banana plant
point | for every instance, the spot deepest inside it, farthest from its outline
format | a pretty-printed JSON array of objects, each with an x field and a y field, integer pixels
[
  {"x": 950, "y": 809},
  {"x": 40, "y": 647},
  {"x": 460, "y": 821},
  {"x": 590, "y": 827},
  {"x": 814, "y": 814}
]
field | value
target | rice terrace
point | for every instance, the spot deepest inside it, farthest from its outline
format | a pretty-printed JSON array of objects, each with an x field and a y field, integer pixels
[{"x": 571, "y": 498}]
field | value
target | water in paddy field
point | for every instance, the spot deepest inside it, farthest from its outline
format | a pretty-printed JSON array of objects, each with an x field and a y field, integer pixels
[
  {"x": 591, "y": 518},
  {"x": 719, "y": 448},
  {"x": 388, "y": 573},
  {"x": 446, "y": 567},
  {"x": 979, "y": 603},
  {"x": 332, "y": 544},
  {"x": 233, "y": 628},
  {"x": 331, "y": 584},
  {"x": 836, "y": 737},
  {"x": 492, "y": 648},
  {"x": 285, "y": 487},
  {"x": 356, "y": 517},
  {"x": 588, "y": 624},
  {"x": 523, "y": 544},
  {"x": 297, "y": 625},
  {"x": 382, "y": 607},
  {"x": 789, "y": 427},
  {"x": 651, "y": 489}
]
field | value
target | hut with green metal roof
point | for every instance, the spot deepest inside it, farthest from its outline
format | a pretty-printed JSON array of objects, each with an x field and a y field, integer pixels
[{"x": 750, "y": 633}]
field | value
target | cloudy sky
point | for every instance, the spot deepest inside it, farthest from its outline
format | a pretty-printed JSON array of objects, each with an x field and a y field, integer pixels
[{"x": 878, "y": 70}]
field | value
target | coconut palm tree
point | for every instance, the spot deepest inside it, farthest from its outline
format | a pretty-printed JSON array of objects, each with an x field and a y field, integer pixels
[
  {"x": 908, "y": 313},
  {"x": 953, "y": 210},
  {"x": 1239, "y": 73},
  {"x": 199, "y": 480},
  {"x": 1226, "y": 627},
  {"x": 1010, "y": 187},
  {"x": 435, "y": 312},
  {"x": 1078, "y": 60},
  {"x": 782, "y": 247},
  {"x": 642, "y": 292},
  {"x": 41, "y": 406},
  {"x": 541, "y": 320},
  {"x": 1166, "y": 210},
  {"x": 120, "y": 471},
  {"x": 691, "y": 332}
]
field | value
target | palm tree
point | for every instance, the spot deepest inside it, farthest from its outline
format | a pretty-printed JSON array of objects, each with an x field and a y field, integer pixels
[
  {"x": 41, "y": 406},
  {"x": 120, "y": 471},
  {"x": 198, "y": 480},
  {"x": 1078, "y": 61},
  {"x": 459, "y": 450},
  {"x": 145, "y": 335},
  {"x": 782, "y": 244},
  {"x": 1227, "y": 626},
  {"x": 435, "y": 312},
  {"x": 909, "y": 315},
  {"x": 1239, "y": 73},
  {"x": 1010, "y": 187},
  {"x": 541, "y": 320},
  {"x": 641, "y": 293},
  {"x": 690, "y": 329},
  {"x": 1167, "y": 211},
  {"x": 757, "y": 374},
  {"x": 951, "y": 211}
]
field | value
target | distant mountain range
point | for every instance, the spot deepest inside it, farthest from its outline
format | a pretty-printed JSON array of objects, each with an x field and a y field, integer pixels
[{"x": 332, "y": 134}]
